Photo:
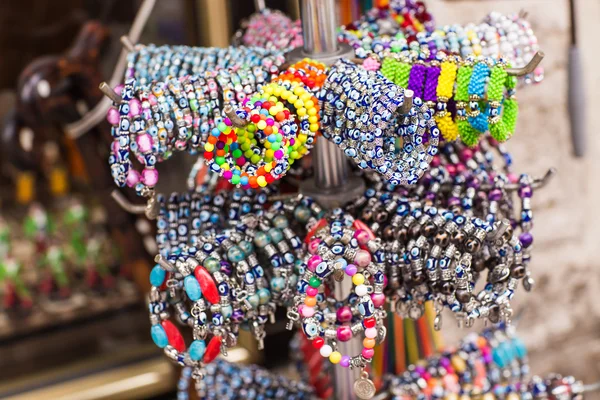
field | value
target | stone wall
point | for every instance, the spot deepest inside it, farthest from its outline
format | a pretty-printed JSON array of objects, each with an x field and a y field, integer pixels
[{"x": 561, "y": 320}]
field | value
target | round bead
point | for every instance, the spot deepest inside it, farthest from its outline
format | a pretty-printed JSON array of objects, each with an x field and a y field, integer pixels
[
  {"x": 378, "y": 299},
  {"x": 362, "y": 258},
  {"x": 326, "y": 350},
  {"x": 308, "y": 312},
  {"x": 310, "y": 301},
  {"x": 344, "y": 333},
  {"x": 369, "y": 343},
  {"x": 311, "y": 291},
  {"x": 314, "y": 282},
  {"x": 368, "y": 353},
  {"x": 358, "y": 279},
  {"x": 369, "y": 323},
  {"x": 351, "y": 269},
  {"x": 361, "y": 290},
  {"x": 371, "y": 333},
  {"x": 345, "y": 361},
  {"x": 318, "y": 343},
  {"x": 335, "y": 357},
  {"x": 344, "y": 314}
]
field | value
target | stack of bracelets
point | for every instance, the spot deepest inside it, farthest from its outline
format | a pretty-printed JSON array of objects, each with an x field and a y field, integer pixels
[
  {"x": 482, "y": 92},
  {"x": 270, "y": 29},
  {"x": 441, "y": 220},
  {"x": 491, "y": 365},
  {"x": 390, "y": 31}
]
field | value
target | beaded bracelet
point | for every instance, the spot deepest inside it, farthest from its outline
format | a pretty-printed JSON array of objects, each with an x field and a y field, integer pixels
[
  {"x": 444, "y": 92},
  {"x": 245, "y": 166},
  {"x": 502, "y": 127},
  {"x": 336, "y": 249},
  {"x": 151, "y": 63},
  {"x": 367, "y": 146},
  {"x": 477, "y": 117},
  {"x": 468, "y": 134},
  {"x": 271, "y": 29}
]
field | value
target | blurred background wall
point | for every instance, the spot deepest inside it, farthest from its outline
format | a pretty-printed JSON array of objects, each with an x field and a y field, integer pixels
[{"x": 561, "y": 320}]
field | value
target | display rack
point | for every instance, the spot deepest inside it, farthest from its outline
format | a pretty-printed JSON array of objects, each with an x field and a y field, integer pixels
[{"x": 333, "y": 183}]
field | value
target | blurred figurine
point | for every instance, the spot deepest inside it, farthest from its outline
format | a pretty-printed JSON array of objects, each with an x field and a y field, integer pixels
[
  {"x": 16, "y": 295},
  {"x": 50, "y": 257}
]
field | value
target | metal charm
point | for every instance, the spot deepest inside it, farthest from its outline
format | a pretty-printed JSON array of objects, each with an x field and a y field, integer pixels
[{"x": 364, "y": 388}]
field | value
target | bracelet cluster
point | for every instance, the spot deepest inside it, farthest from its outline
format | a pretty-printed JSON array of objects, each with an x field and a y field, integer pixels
[
  {"x": 361, "y": 115},
  {"x": 271, "y": 29},
  {"x": 483, "y": 92},
  {"x": 499, "y": 36}
]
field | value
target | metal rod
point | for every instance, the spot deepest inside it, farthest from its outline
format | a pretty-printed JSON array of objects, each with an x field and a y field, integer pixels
[
  {"x": 97, "y": 114},
  {"x": 408, "y": 102},
  {"x": 150, "y": 209},
  {"x": 235, "y": 119},
  {"x": 330, "y": 165},
  {"x": 319, "y": 26},
  {"x": 529, "y": 68},
  {"x": 127, "y": 43},
  {"x": 536, "y": 184},
  {"x": 259, "y": 5},
  {"x": 329, "y": 161},
  {"x": 110, "y": 93},
  {"x": 318, "y": 30},
  {"x": 126, "y": 205}
]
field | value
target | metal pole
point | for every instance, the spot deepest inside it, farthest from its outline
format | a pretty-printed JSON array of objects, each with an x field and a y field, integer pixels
[
  {"x": 259, "y": 5},
  {"x": 333, "y": 183},
  {"x": 319, "y": 25}
]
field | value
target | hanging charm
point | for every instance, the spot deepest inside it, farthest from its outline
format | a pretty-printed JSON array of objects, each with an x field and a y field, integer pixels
[{"x": 364, "y": 388}]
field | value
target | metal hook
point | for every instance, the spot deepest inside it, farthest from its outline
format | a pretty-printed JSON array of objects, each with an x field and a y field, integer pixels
[
  {"x": 259, "y": 6},
  {"x": 592, "y": 387},
  {"x": 126, "y": 205},
  {"x": 235, "y": 120},
  {"x": 408, "y": 102},
  {"x": 127, "y": 43},
  {"x": 543, "y": 181},
  {"x": 529, "y": 68},
  {"x": 163, "y": 263},
  {"x": 536, "y": 184},
  {"x": 150, "y": 209},
  {"x": 110, "y": 93},
  {"x": 523, "y": 13}
]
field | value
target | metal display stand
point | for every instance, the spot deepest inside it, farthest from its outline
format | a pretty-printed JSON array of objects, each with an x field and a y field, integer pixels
[{"x": 333, "y": 183}]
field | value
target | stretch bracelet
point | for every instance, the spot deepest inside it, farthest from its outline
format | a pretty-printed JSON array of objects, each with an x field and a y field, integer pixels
[
  {"x": 444, "y": 92},
  {"x": 503, "y": 110},
  {"x": 370, "y": 128},
  {"x": 232, "y": 154},
  {"x": 468, "y": 134},
  {"x": 476, "y": 116}
]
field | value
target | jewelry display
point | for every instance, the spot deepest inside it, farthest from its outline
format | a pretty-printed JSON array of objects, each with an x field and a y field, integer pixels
[
  {"x": 441, "y": 224},
  {"x": 270, "y": 29}
]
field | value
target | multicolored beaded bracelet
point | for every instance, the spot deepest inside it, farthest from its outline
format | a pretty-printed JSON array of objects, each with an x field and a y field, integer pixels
[
  {"x": 232, "y": 154},
  {"x": 336, "y": 249},
  {"x": 445, "y": 92},
  {"x": 468, "y": 134},
  {"x": 475, "y": 115},
  {"x": 503, "y": 110}
]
